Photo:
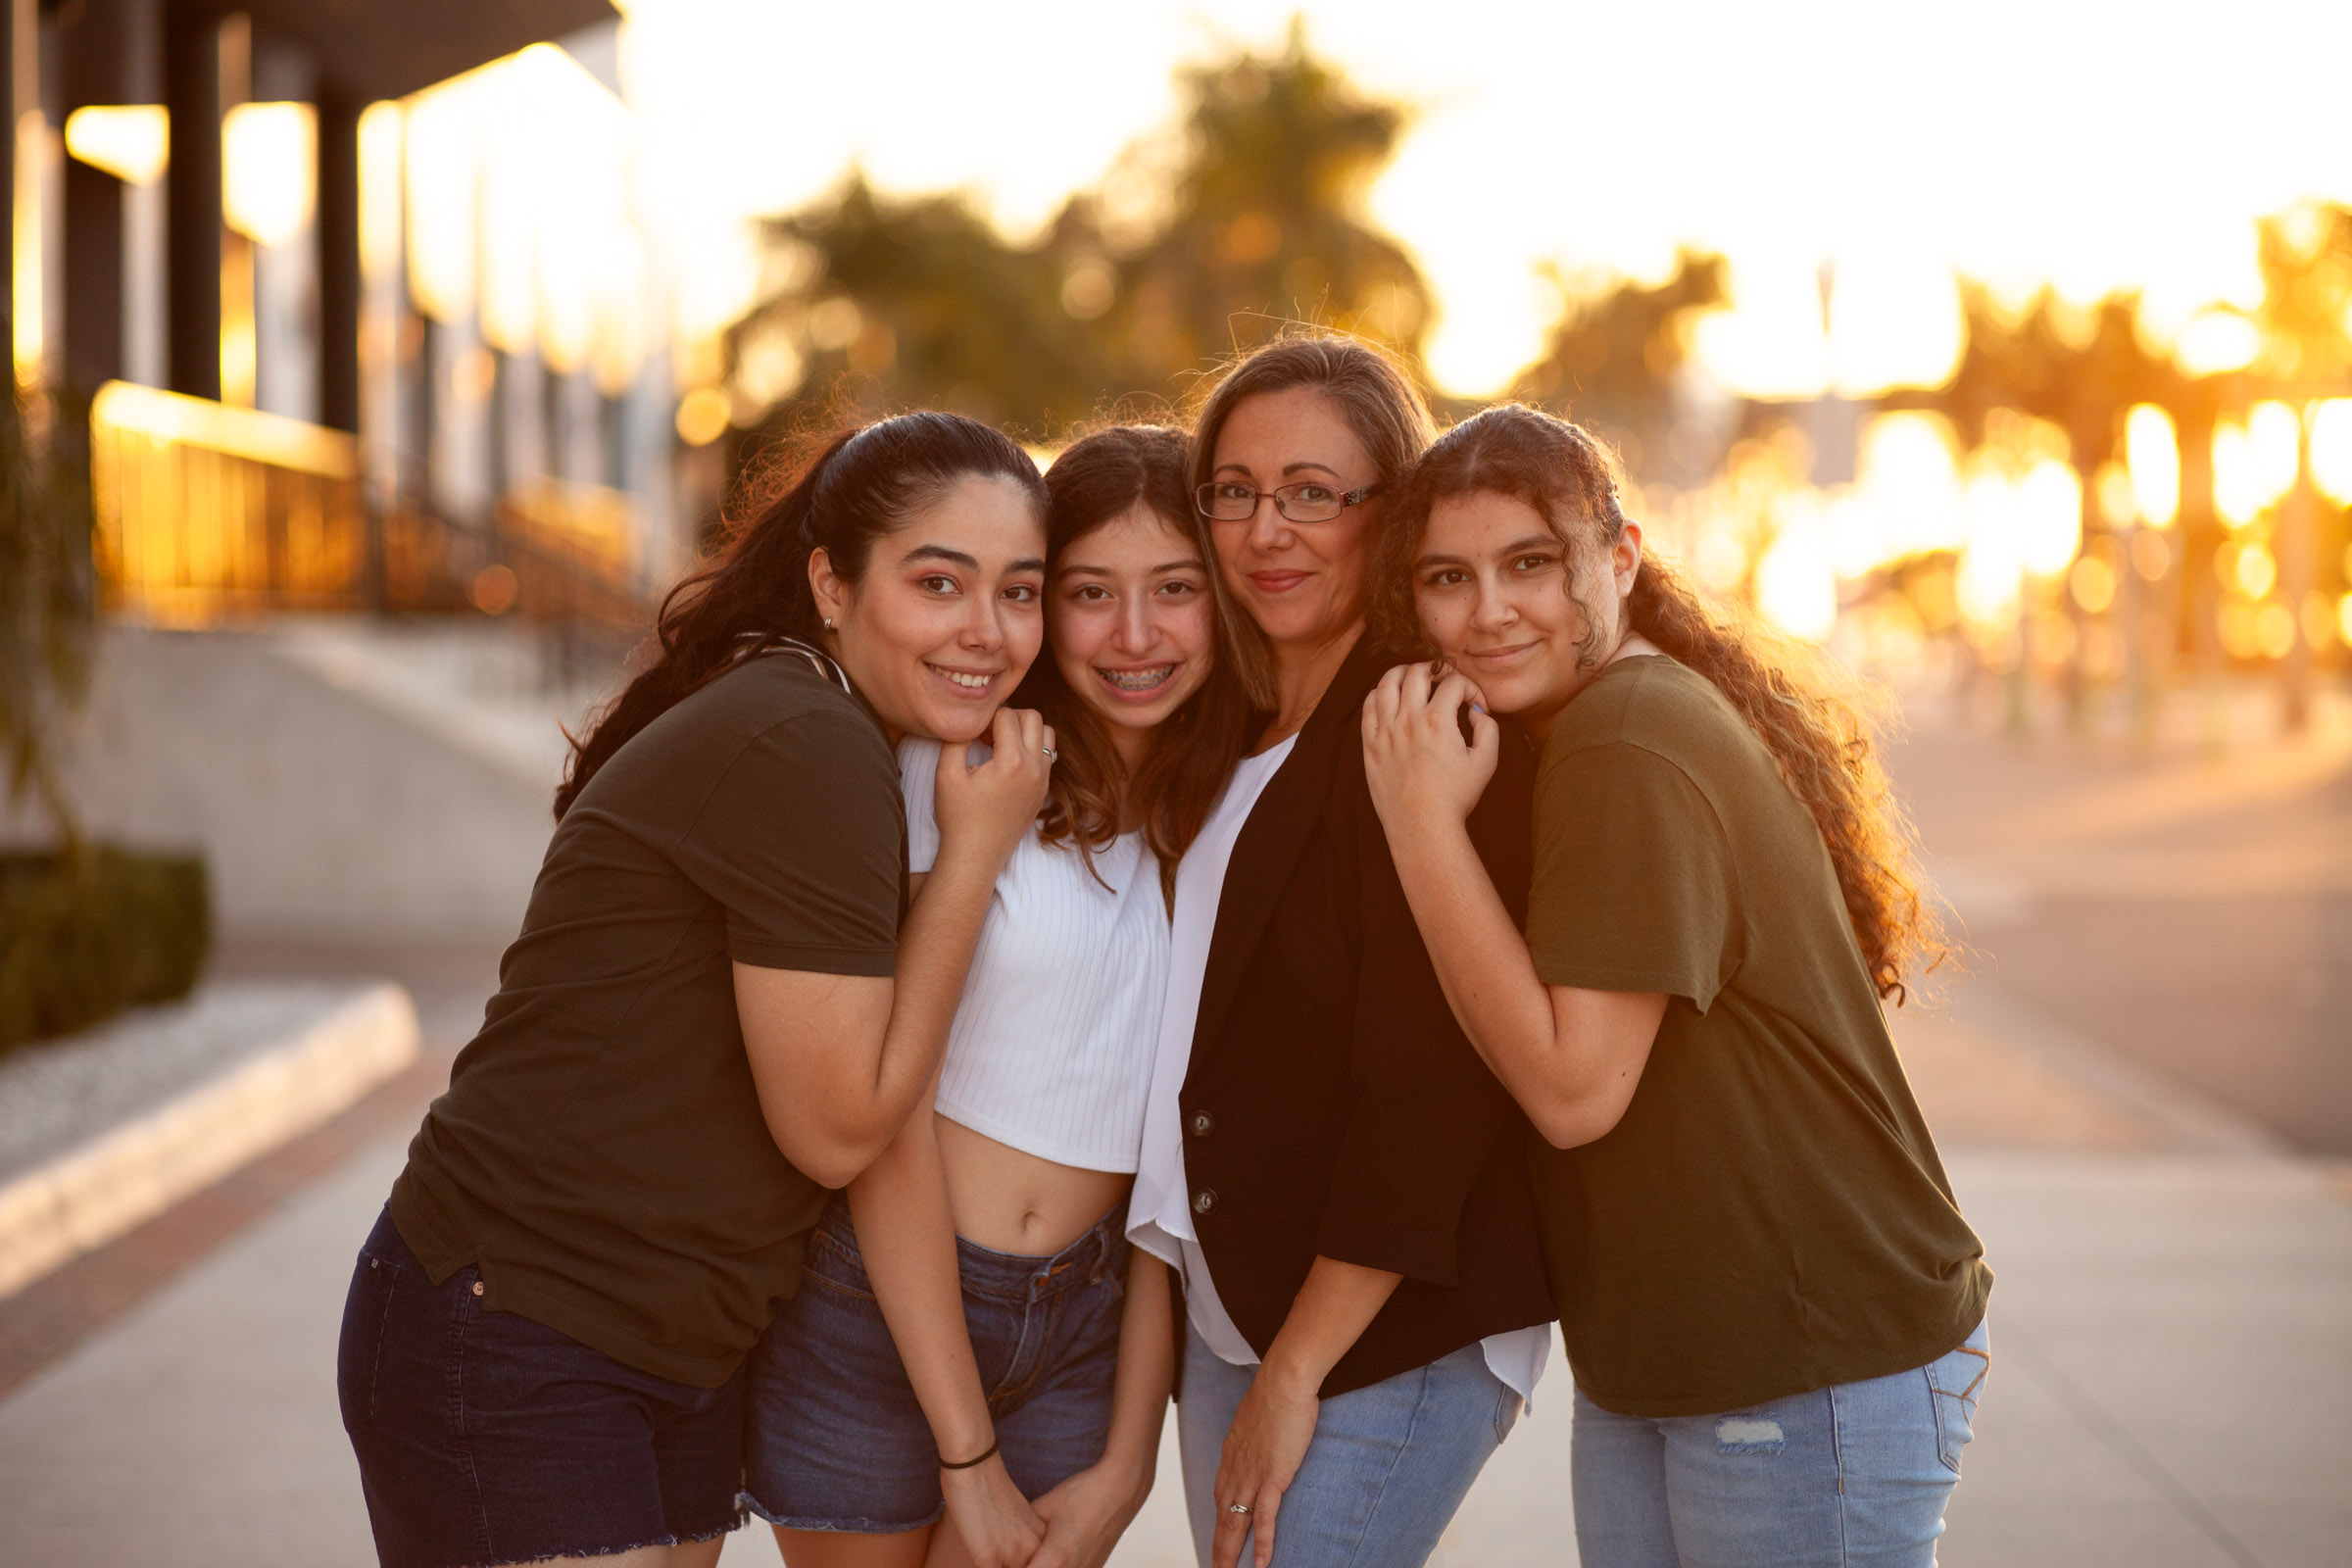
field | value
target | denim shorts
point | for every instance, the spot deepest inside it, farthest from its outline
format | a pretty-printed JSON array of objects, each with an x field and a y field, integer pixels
[
  {"x": 486, "y": 1437},
  {"x": 836, "y": 1439}
]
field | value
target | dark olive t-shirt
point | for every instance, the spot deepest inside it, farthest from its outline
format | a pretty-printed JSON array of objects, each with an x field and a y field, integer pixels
[
  {"x": 601, "y": 1152},
  {"x": 1769, "y": 1216}
]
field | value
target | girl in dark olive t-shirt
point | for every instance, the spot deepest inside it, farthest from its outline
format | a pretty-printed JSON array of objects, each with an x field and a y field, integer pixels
[
  {"x": 1773, "y": 1307},
  {"x": 712, "y": 1014}
]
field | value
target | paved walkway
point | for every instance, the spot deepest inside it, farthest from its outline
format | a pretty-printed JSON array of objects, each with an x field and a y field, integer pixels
[
  {"x": 2173, "y": 1355},
  {"x": 2172, "y": 1326}
]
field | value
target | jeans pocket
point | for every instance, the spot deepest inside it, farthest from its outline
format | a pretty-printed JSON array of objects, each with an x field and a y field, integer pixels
[
  {"x": 1955, "y": 1383},
  {"x": 1508, "y": 1407},
  {"x": 831, "y": 1264},
  {"x": 360, "y": 1352}
]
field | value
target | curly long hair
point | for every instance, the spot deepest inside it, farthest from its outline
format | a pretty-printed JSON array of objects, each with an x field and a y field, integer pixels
[
  {"x": 1818, "y": 731},
  {"x": 849, "y": 489},
  {"x": 1098, "y": 479}
]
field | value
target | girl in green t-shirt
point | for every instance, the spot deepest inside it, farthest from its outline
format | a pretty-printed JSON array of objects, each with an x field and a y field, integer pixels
[{"x": 1773, "y": 1307}]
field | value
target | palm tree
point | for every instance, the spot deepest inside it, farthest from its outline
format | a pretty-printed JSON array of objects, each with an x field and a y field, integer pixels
[{"x": 1267, "y": 221}]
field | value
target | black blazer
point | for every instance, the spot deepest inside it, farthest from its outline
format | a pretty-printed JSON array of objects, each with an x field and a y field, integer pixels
[{"x": 1333, "y": 1106}]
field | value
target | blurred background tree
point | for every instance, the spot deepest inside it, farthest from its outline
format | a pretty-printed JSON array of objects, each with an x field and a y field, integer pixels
[
  {"x": 48, "y": 596},
  {"x": 1248, "y": 215},
  {"x": 1615, "y": 359},
  {"x": 1267, "y": 221}
]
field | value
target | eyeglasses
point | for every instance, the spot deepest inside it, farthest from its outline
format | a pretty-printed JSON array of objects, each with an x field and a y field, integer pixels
[{"x": 1231, "y": 501}]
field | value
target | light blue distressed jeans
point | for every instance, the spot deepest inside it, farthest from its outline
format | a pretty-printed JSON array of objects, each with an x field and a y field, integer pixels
[
  {"x": 1388, "y": 1466},
  {"x": 1853, "y": 1475}
]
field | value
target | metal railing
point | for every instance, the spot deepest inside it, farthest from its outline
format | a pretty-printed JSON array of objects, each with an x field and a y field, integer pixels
[{"x": 207, "y": 513}]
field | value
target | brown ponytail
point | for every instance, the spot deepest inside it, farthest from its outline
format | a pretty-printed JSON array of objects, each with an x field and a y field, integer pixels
[
  {"x": 856, "y": 486},
  {"x": 1820, "y": 736}
]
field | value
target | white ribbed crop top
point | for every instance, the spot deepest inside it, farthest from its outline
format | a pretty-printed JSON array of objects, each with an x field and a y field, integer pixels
[{"x": 1052, "y": 1047}]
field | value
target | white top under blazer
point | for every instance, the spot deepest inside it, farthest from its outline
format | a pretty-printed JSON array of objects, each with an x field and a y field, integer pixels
[
  {"x": 1159, "y": 1214},
  {"x": 1050, "y": 1052}
]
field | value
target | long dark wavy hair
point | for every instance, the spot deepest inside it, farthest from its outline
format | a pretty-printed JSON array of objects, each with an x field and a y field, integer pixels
[
  {"x": 1371, "y": 390},
  {"x": 1098, "y": 479},
  {"x": 1820, "y": 736},
  {"x": 846, "y": 490}
]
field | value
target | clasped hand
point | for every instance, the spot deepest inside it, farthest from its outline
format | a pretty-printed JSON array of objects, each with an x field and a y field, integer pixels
[
  {"x": 985, "y": 809},
  {"x": 1421, "y": 771}
]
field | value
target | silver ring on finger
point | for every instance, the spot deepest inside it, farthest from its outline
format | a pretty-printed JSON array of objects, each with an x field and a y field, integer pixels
[
  {"x": 1051, "y": 753},
  {"x": 1241, "y": 1508}
]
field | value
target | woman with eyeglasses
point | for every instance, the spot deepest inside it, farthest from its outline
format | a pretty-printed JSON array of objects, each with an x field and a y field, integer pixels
[{"x": 1336, "y": 1179}]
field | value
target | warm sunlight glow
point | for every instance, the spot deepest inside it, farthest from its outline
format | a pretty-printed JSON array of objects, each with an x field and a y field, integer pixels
[
  {"x": 2049, "y": 513},
  {"x": 2274, "y": 444},
  {"x": 379, "y": 190},
  {"x": 268, "y": 169},
  {"x": 1771, "y": 342},
  {"x": 1797, "y": 587},
  {"x": 2213, "y": 341},
  {"x": 1894, "y": 322},
  {"x": 2152, "y": 456},
  {"x": 2332, "y": 449},
  {"x": 131, "y": 141},
  {"x": 25, "y": 276}
]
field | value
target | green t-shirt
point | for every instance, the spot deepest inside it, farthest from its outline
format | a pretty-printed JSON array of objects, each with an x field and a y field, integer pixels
[
  {"x": 1769, "y": 1216},
  {"x": 601, "y": 1152}
]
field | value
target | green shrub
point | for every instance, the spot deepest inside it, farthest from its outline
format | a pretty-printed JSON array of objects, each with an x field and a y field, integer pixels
[{"x": 82, "y": 936}]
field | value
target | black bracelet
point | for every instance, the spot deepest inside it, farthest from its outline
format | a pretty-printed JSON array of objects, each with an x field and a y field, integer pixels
[{"x": 966, "y": 1465}]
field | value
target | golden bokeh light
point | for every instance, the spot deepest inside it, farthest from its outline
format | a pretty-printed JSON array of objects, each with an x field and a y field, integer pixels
[
  {"x": 2092, "y": 583},
  {"x": 703, "y": 415},
  {"x": 2050, "y": 510},
  {"x": 2331, "y": 447},
  {"x": 1796, "y": 584},
  {"x": 268, "y": 169},
  {"x": 2252, "y": 569},
  {"x": 2275, "y": 447},
  {"x": 131, "y": 141},
  {"x": 2237, "y": 494},
  {"x": 2152, "y": 456},
  {"x": 2274, "y": 631},
  {"x": 2217, "y": 340}
]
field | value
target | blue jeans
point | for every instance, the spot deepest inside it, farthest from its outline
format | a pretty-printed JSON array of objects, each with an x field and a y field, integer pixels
[
  {"x": 486, "y": 1437},
  {"x": 836, "y": 1437},
  {"x": 1855, "y": 1474},
  {"x": 1388, "y": 1466}
]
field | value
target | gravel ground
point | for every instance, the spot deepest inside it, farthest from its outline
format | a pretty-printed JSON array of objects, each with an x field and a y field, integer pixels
[{"x": 59, "y": 1094}]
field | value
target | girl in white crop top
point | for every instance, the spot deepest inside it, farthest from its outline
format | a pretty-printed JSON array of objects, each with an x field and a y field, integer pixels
[{"x": 1023, "y": 1171}]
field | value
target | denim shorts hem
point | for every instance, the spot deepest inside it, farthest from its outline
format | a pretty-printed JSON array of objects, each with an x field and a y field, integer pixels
[
  {"x": 843, "y": 1527},
  {"x": 570, "y": 1552}
]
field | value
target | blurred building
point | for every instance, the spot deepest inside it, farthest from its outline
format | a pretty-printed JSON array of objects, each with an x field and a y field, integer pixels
[{"x": 354, "y": 296}]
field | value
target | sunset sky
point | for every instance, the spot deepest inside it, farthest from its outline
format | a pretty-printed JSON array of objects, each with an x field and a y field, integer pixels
[{"x": 2093, "y": 146}]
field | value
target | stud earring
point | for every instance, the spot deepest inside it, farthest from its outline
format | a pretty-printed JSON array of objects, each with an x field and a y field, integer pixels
[{"x": 828, "y": 624}]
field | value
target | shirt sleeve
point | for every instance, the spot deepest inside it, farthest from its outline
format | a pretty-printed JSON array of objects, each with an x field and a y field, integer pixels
[
  {"x": 918, "y": 776},
  {"x": 802, "y": 841},
  {"x": 1427, "y": 1114},
  {"x": 1632, "y": 887}
]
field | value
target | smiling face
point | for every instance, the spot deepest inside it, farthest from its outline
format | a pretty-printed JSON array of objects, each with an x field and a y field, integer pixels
[
  {"x": 1492, "y": 590},
  {"x": 947, "y": 614},
  {"x": 1304, "y": 583},
  {"x": 1133, "y": 628}
]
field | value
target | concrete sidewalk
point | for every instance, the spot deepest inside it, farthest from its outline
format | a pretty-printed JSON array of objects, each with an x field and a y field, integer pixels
[{"x": 2172, "y": 1349}]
